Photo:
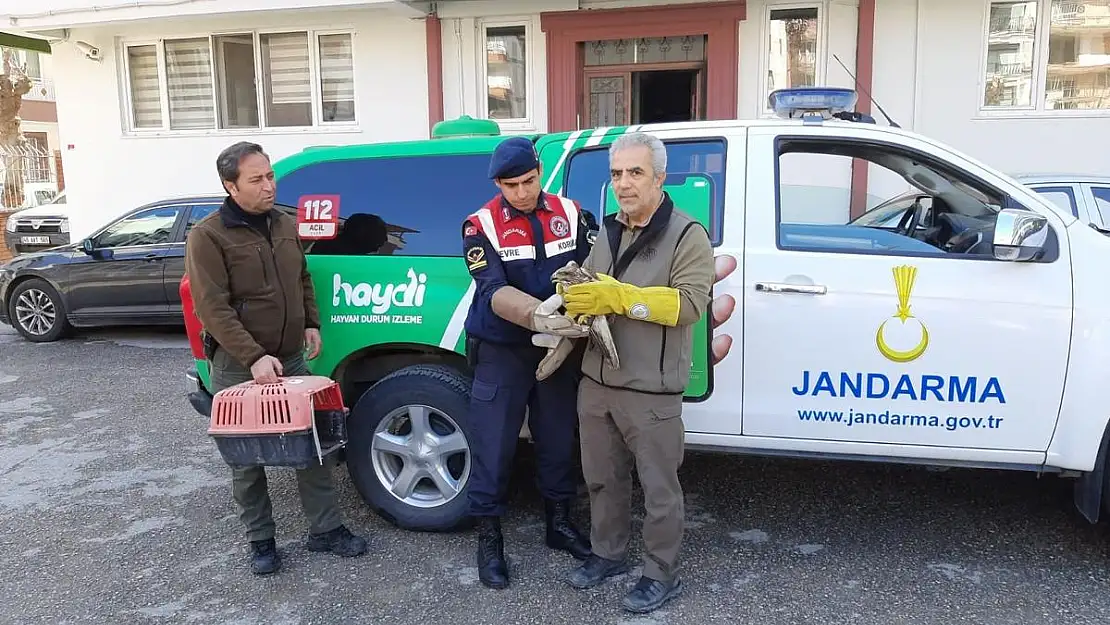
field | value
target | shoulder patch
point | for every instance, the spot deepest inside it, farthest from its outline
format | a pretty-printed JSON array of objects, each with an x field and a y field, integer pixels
[
  {"x": 475, "y": 258},
  {"x": 469, "y": 230},
  {"x": 559, "y": 226}
]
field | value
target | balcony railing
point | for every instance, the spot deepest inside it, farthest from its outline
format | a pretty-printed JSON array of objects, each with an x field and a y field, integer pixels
[
  {"x": 41, "y": 90},
  {"x": 1012, "y": 25}
]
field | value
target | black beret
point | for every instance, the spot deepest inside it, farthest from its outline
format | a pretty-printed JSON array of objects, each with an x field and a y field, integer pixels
[{"x": 513, "y": 157}]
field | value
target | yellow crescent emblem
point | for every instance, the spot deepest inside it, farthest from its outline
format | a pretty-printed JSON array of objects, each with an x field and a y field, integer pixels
[{"x": 904, "y": 277}]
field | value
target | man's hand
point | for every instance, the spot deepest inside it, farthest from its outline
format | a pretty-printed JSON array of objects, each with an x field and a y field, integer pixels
[
  {"x": 266, "y": 370},
  {"x": 722, "y": 307},
  {"x": 545, "y": 319},
  {"x": 312, "y": 343}
]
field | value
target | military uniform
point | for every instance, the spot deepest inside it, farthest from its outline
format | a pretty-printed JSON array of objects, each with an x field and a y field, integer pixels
[{"x": 511, "y": 255}]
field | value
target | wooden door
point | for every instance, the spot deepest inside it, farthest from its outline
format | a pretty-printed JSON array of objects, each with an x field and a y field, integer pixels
[
  {"x": 607, "y": 98},
  {"x": 697, "y": 98}
]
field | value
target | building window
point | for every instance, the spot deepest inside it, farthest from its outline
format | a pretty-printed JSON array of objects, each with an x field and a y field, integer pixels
[
  {"x": 1048, "y": 55},
  {"x": 792, "y": 38},
  {"x": 506, "y": 72},
  {"x": 288, "y": 87},
  {"x": 241, "y": 80},
  {"x": 337, "y": 78},
  {"x": 645, "y": 50},
  {"x": 30, "y": 62}
]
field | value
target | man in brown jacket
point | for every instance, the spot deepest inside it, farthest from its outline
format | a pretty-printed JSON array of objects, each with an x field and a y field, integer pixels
[
  {"x": 252, "y": 291},
  {"x": 656, "y": 266}
]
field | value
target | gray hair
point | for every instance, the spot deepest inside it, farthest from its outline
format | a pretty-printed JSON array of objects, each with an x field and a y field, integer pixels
[
  {"x": 227, "y": 163},
  {"x": 658, "y": 151}
]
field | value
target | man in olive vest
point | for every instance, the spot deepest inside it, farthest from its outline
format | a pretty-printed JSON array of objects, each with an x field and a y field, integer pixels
[{"x": 656, "y": 268}]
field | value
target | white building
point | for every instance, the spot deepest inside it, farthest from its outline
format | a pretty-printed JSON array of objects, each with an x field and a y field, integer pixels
[{"x": 149, "y": 92}]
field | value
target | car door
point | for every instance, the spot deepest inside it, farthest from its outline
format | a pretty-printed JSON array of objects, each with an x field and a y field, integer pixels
[
  {"x": 122, "y": 279},
  {"x": 175, "y": 255},
  {"x": 858, "y": 335}
]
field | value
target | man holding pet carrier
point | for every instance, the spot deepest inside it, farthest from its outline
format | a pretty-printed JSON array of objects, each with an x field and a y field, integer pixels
[{"x": 252, "y": 292}]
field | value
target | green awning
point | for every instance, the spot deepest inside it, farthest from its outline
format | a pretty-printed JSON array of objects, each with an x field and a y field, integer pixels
[{"x": 20, "y": 42}]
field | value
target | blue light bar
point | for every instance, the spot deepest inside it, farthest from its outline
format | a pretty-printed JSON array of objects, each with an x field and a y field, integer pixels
[{"x": 822, "y": 102}]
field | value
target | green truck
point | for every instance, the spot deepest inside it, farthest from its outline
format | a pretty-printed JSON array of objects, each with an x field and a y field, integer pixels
[{"x": 392, "y": 310}]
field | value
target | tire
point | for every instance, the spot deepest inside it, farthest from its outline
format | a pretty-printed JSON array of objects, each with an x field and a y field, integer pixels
[
  {"x": 381, "y": 447},
  {"x": 37, "y": 312}
]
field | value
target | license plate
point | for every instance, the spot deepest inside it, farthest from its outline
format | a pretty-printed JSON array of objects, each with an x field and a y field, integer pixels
[{"x": 35, "y": 240}]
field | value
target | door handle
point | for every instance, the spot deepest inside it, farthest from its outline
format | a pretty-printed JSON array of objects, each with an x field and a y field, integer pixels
[
  {"x": 152, "y": 256},
  {"x": 782, "y": 287}
]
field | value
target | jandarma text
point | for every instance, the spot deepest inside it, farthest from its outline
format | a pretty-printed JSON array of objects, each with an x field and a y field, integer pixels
[{"x": 891, "y": 419}]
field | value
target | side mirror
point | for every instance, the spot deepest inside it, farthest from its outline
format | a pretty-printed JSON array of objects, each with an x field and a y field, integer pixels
[
  {"x": 88, "y": 246},
  {"x": 1019, "y": 235}
]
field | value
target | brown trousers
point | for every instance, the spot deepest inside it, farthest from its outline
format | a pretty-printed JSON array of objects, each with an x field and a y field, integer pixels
[{"x": 621, "y": 428}]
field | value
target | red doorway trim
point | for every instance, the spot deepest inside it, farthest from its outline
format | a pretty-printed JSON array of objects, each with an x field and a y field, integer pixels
[
  {"x": 566, "y": 29},
  {"x": 865, "y": 65},
  {"x": 434, "y": 33}
]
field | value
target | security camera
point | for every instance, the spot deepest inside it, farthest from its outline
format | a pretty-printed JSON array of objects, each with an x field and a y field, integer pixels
[{"x": 91, "y": 52}]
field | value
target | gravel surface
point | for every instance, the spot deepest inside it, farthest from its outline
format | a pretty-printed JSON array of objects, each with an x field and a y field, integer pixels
[{"x": 116, "y": 508}]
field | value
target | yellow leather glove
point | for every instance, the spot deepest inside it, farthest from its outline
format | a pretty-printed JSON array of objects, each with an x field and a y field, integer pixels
[{"x": 655, "y": 304}]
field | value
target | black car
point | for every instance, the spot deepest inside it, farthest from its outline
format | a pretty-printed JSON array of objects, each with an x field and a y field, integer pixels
[{"x": 126, "y": 273}]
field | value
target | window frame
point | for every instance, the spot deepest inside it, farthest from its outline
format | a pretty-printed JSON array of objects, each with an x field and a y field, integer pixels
[
  {"x": 185, "y": 230},
  {"x": 1094, "y": 209},
  {"x": 24, "y": 58},
  {"x": 715, "y": 228},
  {"x": 1071, "y": 190},
  {"x": 317, "y": 89},
  {"x": 482, "y": 26},
  {"x": 317, "y": 123},
  {"x": 480, "y": 156},
  {"x": 1042, "y": 32},
  {"x": 819, "y": 71},
  {"x": 1051, "y": 247},
  {"x": 182, "y": 208}
]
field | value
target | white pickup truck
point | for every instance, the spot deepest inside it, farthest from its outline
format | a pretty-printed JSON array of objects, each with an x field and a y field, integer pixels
[
  {"x": 968, "y": 327},
  {"x": 970, "y": 334}
]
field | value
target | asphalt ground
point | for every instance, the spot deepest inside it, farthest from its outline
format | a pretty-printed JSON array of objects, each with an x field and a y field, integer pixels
[{"x": 116, "y": 508}]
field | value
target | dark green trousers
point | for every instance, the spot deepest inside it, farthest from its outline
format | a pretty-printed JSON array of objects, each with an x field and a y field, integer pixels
[{"x": 249, "y": 485}]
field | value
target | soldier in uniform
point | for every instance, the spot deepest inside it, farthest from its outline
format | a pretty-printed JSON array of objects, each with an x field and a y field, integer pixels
[{"x": 512, "y": 245}]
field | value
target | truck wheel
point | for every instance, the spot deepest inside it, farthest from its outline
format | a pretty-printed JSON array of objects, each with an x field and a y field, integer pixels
[
  {"x": 408, "y": 452},
  {"x": 36, "y": 311}
]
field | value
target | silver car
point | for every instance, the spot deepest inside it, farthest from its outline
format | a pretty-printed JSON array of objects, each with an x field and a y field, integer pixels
[{"x": 1085, "y": 196}]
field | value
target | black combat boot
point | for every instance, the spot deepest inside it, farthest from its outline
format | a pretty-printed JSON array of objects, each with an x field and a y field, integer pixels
[
  {"x": 493, "y": 571},
  {"x": 339, "y": 541},
  {"x": 561, "y": 533},
  {"x": 264, "y": 557}
]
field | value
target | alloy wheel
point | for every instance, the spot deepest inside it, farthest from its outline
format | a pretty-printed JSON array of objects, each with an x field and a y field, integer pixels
[
  {"x": 35, "y": 312},
  {"x": 421, "y": 456}
]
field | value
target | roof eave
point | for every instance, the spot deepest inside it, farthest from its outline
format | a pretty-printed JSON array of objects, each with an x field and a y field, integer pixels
[{"x": 78, "y": 17}]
